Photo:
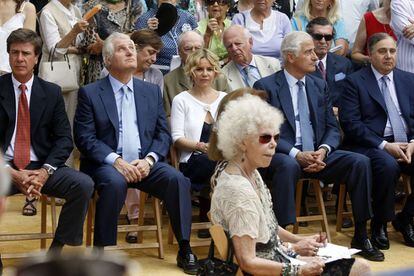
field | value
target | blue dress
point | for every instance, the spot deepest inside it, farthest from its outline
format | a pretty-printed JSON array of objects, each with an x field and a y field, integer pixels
[{"x": 185, "y": 22}]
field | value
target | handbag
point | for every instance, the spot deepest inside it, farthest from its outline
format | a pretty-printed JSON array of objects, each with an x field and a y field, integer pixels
[
  {"x": 212, "y": 266},
  {"x": 61, "y": 73}
]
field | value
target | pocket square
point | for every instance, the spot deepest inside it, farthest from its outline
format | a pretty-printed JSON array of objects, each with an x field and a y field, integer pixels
[{"x": 339, "y": 76}]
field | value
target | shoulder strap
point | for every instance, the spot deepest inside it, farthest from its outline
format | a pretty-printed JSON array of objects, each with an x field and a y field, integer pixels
[{"x": 298, "y": 22}]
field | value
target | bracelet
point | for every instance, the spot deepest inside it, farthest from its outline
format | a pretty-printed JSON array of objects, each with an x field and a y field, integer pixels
[{"x": 289, "y": 269}]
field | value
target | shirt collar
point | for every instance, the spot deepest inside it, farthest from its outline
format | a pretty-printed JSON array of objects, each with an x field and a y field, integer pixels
[
  {"x": 117, "y": 85},
  {"x": 252, "y": 63},
  {"x": 378, "y": 75},
  {"x": 292, "y": 80},
  {"x": 28, "y": 84}
]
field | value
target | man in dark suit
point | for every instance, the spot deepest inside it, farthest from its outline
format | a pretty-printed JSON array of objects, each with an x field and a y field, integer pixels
[
  {"x": 309, "y": 139},
  {"x": 121, "y": 131},
  {"x": 330, "y": 67},
  {"x": 376, "y": 115},
  {"x": 35, "y": 137}
]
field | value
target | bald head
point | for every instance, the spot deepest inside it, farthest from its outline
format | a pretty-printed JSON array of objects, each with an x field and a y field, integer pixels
[
  {"x": 238, "y": 42},
  {"x": 189, "y": 42}
]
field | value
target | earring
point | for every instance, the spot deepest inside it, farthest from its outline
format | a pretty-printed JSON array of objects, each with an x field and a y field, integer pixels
[{"x": 243, "y": 156}]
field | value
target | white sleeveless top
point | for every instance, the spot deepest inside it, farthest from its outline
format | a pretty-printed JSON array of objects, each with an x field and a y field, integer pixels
[{"x": 14, "y": 23}]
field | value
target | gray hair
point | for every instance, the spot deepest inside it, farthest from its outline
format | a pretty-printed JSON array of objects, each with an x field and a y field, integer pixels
[
  {"x": 4, "y": 179},
  {"x": 244, "y": 116},
  {"x": 189, "y": 33},
  {"x": 108, "y": 45},
  {"x": 375, "y": 38},
  {"x": 292, "y": 43}
]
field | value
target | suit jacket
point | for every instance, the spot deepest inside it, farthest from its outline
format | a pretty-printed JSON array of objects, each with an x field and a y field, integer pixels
[
  {"x": 337, "y": 68},
  {"x": 324, "y": 124},
  {"x": 50, "y": 132},
  {"x": 96, "y": 125},
  {"x": 265, "y": 65},
  {"x": 362, "y": 111},
  {"x": 177, "y": 81}
]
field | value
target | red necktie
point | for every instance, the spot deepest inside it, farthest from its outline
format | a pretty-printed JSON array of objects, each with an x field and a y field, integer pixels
[
  {"x": 22, "y": 140},
  {"x": 322, "y": 69}
]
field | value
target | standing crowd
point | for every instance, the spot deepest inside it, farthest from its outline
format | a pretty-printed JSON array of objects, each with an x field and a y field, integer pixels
[{"x": 252, "y": 95}]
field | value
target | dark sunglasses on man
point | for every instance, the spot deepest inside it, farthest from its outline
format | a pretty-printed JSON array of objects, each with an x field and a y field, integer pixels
[
  {"x": 328, "y": 37},
  {"x": 220, "y": 2}
]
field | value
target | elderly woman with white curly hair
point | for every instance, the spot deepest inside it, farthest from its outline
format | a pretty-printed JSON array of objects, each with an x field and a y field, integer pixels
[{"x": 245, "y": 137}]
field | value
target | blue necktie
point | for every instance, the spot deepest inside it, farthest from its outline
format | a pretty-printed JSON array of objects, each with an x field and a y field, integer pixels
[
  {"x": 304, "y": 120},
  {"x": 251, "y": 77},
  {"x": 130, "y": 137},
  {"x": 393, "y": 114}
]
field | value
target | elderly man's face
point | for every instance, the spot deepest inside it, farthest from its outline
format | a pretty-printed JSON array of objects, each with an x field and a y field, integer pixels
[
  {"x": 383, "y": 56},
  {"x": 22, "y": 59},
  {"x": 304, "y": 63},
  {"x": 322, "y": 38},
  {"x": 238, "y": 46},
  {"x": 124, "y": 57},
  {"x": 190, "y": 44}
]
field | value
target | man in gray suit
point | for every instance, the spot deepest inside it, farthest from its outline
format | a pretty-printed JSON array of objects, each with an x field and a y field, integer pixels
[{"x": 245, "y": 69}]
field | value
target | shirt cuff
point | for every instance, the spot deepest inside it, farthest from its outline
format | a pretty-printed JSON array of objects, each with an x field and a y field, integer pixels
[
  {"x": 48, "y": 165},
  {"x": 327, "y": 146},
  {"x": 412, "y": 140},
  {"x": 382, "y": 145},
  {"x": 153, "y": 155},
  {"x": 293, "y": 152},
  {"x": 110, "y": 158}
]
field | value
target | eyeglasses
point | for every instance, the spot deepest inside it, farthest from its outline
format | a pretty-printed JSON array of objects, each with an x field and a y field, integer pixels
[
  {"x": 220, "y": 2},
  {"x": 266, "y": 138},
  {"x": 328, "y": 37}
]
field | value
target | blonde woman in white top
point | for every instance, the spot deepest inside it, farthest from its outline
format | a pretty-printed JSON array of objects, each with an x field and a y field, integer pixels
[{"x": 193, "y": 113}]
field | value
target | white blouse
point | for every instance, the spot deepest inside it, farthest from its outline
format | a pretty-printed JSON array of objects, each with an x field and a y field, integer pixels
[{"x": 187, "y": 118}]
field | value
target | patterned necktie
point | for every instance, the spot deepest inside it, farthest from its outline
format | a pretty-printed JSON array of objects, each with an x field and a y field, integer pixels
[
  {"x": 304, "y": 120},
  {"x": 22, "y": 140},
  {"x": 322, "y": 69},
  {"x": 393, "y": 114},
  {"x": 130, "y": 137},
  {"x": 250, "y": 76}
]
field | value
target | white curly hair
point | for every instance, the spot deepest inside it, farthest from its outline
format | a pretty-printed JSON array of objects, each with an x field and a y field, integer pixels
[{"x": 242, "y": 118}]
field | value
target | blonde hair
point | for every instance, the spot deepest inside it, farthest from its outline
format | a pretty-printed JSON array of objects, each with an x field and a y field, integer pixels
[
  {"x": 333, "y": 14},
  {"x": 193, "y": 60}
]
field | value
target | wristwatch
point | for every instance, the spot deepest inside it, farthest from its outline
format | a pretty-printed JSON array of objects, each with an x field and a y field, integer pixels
[
  {"x": 150, "y": 161},
  {"x": 49, "y": 169}
]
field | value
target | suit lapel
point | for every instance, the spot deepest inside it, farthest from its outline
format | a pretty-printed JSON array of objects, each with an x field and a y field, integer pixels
[
  {"x": 285, "y": 98},
  {"x": 312, "y": 95},
  {"x": 264, "y": 69},
  {"x": 140, "y": 107},
  {"x": 108, "y": 99},
  {"x": 234, "y": 76},
  {"x": 8, "y": 101},
  {"x": 37, "y": 105},
  {"x": 373, "y": 88},
  {"x": 401, "y": 91},
  {"x": 183, "y": 79}
]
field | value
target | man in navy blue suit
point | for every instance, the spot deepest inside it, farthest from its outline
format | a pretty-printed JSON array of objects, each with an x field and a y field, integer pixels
[
  {"x": 309, "y": 139},
  {"x": 330, "y": 67},
  {"x": 121, "y": 131},
  {"x": 377, "y": 116}
]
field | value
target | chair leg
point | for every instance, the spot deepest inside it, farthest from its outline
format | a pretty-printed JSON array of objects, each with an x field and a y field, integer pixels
[
  {"x": 340, "y": 212},
  {"x": 141, "y": 214},
  {"x": 407, "y": 187},
  {"x": 321, "y": 206},
  {"x": 43, "y": 222},
  {"x": 157, "y": 214},
  {"x": 299, "y": 188},
  {"x": 53, "y": 213},
  {"x": 89, "y": 222}
]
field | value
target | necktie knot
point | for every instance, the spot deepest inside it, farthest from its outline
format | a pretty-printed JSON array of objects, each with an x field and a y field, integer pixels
[
  {"x": 300, "y": 84},
  {"x": 23, "y": 87},
  {"x": 385, "y": 79}
]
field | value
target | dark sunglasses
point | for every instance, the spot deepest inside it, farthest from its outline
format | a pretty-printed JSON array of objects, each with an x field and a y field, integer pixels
[
  {"x": 327, "y": 37},
  {"x": 266, "y": 138},
  {"x": 220, "y": 2}
]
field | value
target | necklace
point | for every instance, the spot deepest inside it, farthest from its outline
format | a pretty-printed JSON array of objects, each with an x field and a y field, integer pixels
[{"x": 243, "y": 172}]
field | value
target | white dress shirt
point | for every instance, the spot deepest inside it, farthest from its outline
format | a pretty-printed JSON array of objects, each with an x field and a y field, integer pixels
[
  {"x": 401, "y": 11},
  {"x": 9, "y": 155},
  {"x": 393, "y": 94}
]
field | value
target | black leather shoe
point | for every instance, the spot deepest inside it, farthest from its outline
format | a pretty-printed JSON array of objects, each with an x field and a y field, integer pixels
[
  {"x": 406, "y": 229},
  {"x": 203, "y": 234},
  {"x": 131, "y": 237},
  {"x": 368, "y": 251},
  {"x": 347, "y": 223},
  {"x": 379, "y": 236},
  {"x": 188, "y": 263}
]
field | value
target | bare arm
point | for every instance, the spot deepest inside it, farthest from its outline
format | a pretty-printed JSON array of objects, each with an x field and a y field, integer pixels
[
  {"x": 30, "y": 16},
  {"x": 360, "y": 44}
]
